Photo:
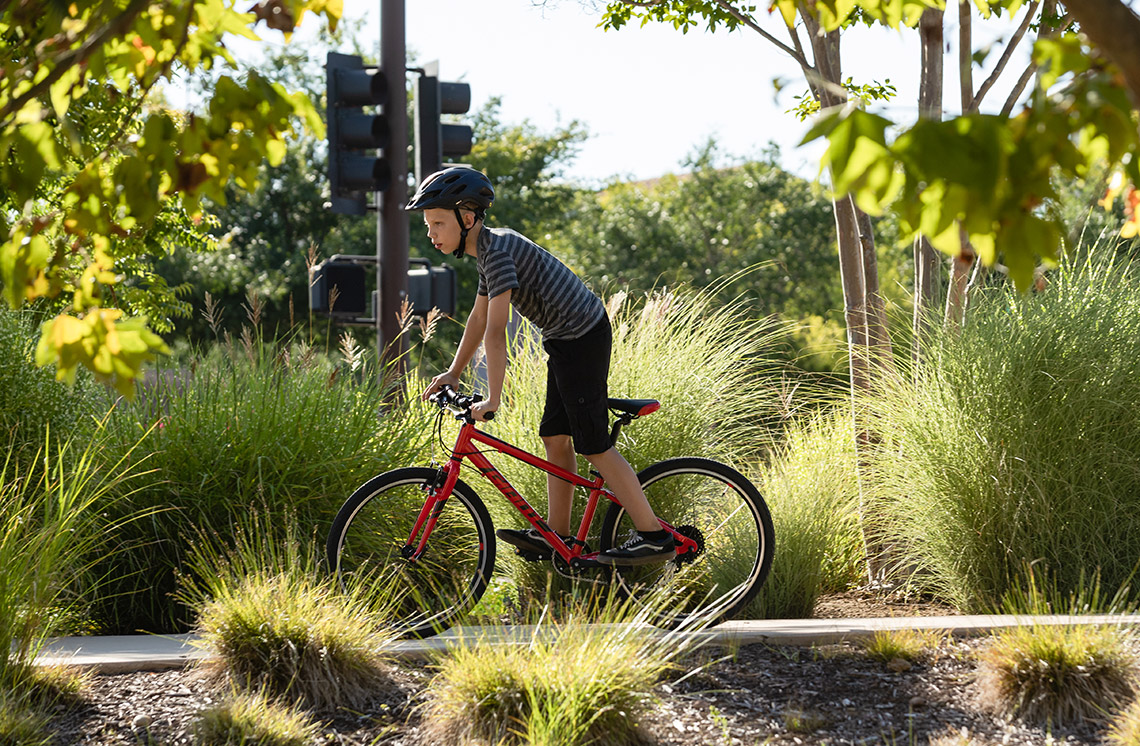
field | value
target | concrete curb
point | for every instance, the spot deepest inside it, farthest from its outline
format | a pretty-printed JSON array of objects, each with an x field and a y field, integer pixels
[{"x": 130, "y": 653}]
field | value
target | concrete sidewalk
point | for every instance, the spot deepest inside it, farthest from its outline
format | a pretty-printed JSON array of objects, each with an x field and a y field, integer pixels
[{"x": 127, "y": 653}]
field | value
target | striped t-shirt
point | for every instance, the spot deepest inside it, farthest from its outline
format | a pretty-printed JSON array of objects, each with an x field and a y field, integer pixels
[{"x": 546, "y": 291}]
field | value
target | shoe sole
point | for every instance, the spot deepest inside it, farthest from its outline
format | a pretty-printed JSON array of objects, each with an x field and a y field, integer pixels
[
  {"x": 651, "y": 559},
  {"x": 525, "y": 549}
]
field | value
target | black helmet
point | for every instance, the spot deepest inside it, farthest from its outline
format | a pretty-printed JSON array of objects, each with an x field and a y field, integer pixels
[{"x": 454, "y": 187}]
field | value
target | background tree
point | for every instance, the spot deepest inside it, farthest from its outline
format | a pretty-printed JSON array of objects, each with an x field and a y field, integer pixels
[{"x": 721, "y": 215}]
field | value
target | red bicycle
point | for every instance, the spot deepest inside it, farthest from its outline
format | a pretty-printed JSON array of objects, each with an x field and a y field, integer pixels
[{"x": 423, "y": 538}]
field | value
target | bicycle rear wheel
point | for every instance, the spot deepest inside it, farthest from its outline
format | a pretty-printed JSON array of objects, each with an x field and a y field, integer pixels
[
  {"x": 726, "y": 517},
  {"x": 424, "y": 596}
]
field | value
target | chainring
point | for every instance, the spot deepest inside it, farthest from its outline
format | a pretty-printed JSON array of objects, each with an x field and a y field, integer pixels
[{"x": 694, "y": 533}]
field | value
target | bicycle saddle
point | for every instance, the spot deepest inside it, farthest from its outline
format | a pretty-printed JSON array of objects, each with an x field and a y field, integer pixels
[{"x": 635, "y": 407}]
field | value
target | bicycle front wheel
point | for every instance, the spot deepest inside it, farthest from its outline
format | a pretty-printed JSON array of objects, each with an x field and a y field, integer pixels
[
  {"x": 727, "y": 520},
  {"x": 367, "y": 550}
]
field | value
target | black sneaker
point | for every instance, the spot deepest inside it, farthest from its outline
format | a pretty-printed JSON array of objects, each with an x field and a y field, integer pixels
[
  {"x": 529, "y": 544},
  {"x": 640, "y": 551}
]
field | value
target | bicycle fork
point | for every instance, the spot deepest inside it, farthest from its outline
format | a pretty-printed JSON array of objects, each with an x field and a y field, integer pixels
[{"x": 438, "y": 491}]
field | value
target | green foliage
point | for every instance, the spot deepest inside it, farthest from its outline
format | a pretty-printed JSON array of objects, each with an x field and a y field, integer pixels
[
  {"x": 702, "y": 227},
  {"x": 251, "y": 423},
  {"x": 1002, "y": 168},
  {"x": 1014, "y": 442},
  {"x": 812, "y": 490},
  {"x": 87, "y": 170},
  {"x": 32, "y": 404},
  {"x": 1057, "y": 675}
]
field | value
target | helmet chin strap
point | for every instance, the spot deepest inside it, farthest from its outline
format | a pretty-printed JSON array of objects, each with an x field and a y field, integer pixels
[{"x": 463, "y": 230}]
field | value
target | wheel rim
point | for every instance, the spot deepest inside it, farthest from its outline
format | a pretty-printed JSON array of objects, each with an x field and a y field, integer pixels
[
  {"x": 414, "y": 595},
  {"x": 710, "y": 509}
]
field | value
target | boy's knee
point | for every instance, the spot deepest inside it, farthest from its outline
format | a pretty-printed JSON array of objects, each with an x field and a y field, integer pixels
[{"x": 557, "y": 443}]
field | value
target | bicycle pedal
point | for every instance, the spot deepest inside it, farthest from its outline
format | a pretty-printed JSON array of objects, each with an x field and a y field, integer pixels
[{"x": 531, "y": 556}]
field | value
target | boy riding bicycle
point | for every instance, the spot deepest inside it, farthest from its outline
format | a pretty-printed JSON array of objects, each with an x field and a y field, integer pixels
[{"x": 576, "y": 334}]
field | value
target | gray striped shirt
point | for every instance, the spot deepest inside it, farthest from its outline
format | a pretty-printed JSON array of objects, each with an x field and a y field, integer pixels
[{"x": 546, "y": 291}]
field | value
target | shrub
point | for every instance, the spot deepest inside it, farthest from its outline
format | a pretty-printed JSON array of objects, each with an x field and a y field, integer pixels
[
  {"x": 1014, "y": 442},
  {"x": 247, "y": 425},
  {"x": 1059, "y": 675}
]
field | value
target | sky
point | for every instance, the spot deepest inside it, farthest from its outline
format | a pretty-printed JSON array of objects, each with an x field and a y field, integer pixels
[{"x": 648, "y": 96}]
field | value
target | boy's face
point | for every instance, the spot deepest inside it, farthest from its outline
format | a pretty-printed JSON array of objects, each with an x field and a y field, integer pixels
[{"x": 443, "y": 228}]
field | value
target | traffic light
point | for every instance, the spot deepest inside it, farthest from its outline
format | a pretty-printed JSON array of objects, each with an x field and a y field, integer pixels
[
  {"x": 436, "y": 140},
  {"x": 353, "y": 134}
]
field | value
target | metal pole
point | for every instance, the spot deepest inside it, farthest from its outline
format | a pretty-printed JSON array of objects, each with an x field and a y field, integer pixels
[{"x": 392, "y": 222}]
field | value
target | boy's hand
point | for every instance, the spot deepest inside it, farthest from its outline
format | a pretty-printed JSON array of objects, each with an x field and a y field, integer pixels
[
  {"x": 481, "y": 409},
  {"x": 443, "y": 379}
]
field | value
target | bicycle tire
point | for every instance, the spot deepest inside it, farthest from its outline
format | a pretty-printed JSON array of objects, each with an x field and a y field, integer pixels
[
  {"x": 707, "y": 499},
  {"x": 429, "y": 595}
]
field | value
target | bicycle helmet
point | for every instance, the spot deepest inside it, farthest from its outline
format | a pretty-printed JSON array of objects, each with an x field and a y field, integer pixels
[{"x": 455, "y": 188}]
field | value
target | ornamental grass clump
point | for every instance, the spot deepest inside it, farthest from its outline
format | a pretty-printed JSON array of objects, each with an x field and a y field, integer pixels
[
  {"x": 1015, "y": 441},
  {"x": 279, "y": 425},
  {"x": 1125, "y": 727},
  {"x": 50, "y": 528},
  {"x": 252, "y": 719},
  {"x": 812, "y": 490},
  {"x": 1057, "y": 675},
  {"x": 21, "y": 724},
  {"x": 585, "y": 679},
  {"x": 279, "y": 625},
  {"x": 903, "y": 644}
]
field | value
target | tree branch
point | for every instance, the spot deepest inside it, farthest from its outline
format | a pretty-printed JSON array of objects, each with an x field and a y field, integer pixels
[
  {"x": 1007, "y": 53},
  {"x": 747, "y": 21},
  {"x": 117, "y": 26},
  {"x": 1018, "y": 89}
]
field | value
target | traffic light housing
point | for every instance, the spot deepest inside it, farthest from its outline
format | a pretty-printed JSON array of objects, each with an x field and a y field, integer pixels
[
  {"x": 353, "y": 134},
  {"x": 436, "y": 140}
]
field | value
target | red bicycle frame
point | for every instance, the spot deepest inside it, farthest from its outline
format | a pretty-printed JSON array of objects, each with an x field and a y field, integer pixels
[{"x": 469, "y": 435}]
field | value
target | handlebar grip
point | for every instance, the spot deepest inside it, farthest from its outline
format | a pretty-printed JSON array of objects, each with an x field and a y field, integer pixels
[{"x": 489, "y": 415}]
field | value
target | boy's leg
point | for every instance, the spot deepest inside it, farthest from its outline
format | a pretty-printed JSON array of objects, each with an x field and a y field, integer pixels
[
  {"x": 621, "y": 478},
  {"x": 560, "y": 493}
]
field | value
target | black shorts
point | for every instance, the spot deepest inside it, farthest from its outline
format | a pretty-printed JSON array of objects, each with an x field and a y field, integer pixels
[{"x": 577, "y": 375}]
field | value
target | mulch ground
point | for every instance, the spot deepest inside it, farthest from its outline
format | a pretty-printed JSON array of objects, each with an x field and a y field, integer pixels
[{"x": 758, "y": 694}]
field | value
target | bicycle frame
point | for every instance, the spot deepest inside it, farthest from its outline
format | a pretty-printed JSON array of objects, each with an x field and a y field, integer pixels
[{"x": 469, "y": 435}]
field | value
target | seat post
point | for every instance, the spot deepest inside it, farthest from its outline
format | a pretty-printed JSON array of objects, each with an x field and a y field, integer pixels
[{"x": 619, "y": 423}]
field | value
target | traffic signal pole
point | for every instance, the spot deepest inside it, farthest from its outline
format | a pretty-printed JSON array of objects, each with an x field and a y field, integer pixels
[{"x": 392, "y": 222}]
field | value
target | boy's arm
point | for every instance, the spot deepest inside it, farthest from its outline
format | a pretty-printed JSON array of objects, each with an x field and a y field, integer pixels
[
  {"x": 495, "y": 347},
  {"x": 472, "y": 335}
]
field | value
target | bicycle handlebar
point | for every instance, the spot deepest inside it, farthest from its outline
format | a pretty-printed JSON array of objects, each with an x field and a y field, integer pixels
[{"x": 460, "y": 404}]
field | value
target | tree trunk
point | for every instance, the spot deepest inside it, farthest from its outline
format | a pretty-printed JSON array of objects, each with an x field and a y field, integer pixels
[
  {"x": 957, "y": 293},
  {"x": 927, "y": 277}
]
